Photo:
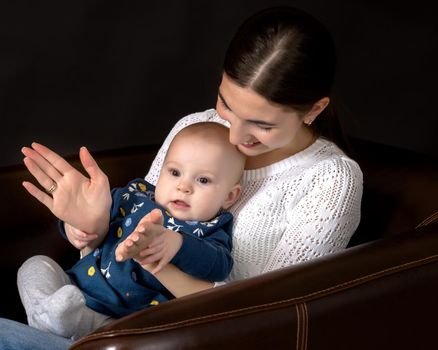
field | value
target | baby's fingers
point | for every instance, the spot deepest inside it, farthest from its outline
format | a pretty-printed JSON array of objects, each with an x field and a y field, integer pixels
[
  {"x": 125, "y": 249},
  {"x": 121, "y": 252},
  {"x": 161, "y": 264},
  {"x": 79, "y": 244},
  {"x": 155, "y": 217},
  {"x": 87, "y": 238},
  {"x": 151, "y": 250}
]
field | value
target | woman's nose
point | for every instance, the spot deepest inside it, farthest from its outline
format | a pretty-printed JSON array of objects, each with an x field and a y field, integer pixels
[{"x": 237, "y": 133}]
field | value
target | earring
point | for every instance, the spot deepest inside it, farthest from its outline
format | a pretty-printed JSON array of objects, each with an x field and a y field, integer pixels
[{"x": 309, "y": 122}]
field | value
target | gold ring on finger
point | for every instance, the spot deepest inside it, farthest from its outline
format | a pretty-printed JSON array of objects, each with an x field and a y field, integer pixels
[{"x": 52, "y": 188}]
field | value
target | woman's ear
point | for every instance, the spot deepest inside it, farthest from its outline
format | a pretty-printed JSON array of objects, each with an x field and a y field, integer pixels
[
  {"x": 232, "y": 197},
  {"x": 316, "y": 110}
]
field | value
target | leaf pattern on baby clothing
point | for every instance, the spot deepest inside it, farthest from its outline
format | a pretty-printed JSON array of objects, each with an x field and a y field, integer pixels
[
  {"x": 135, "y": 207},
  {"x": 210, "y": 223},
  {"x": 106, "y": 271},
  {"x": 171, "y": 225},
  {"x": 199, "y": 232}
]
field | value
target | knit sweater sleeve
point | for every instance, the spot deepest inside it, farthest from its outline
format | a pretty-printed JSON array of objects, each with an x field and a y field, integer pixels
[
  {"x": 324, "y": 218},
  {"x": 209, "y": 115}
]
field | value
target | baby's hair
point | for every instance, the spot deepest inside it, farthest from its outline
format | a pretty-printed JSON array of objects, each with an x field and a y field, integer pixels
[
  {"x": 209, "y": 131},
  {"x": 214, "y": 133}
]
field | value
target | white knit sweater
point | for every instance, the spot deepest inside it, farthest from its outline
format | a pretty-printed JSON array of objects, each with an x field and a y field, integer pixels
[{"x": 297, "y": 209}]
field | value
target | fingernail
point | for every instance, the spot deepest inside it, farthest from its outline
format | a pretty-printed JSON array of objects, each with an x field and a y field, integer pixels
[{"x": 141, "y": 229}]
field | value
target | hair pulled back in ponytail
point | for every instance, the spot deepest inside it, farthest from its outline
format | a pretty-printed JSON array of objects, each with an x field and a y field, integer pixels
[{"x": 288, "y": 57}]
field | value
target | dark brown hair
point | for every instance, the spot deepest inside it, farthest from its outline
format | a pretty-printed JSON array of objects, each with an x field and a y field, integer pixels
[{"x": 288, "y": 57}]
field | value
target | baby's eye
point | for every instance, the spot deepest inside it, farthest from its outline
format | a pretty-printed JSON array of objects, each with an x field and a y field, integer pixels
[
  {"x": 203, "y": 180},
  {"x": 174, "y": 172}
]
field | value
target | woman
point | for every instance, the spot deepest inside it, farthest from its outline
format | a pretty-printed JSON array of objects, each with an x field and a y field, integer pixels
[{"x": 301, "y": 194}]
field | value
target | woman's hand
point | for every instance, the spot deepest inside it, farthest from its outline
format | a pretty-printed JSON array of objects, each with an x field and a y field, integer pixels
[
  {"x": 151, "y": 245},
  {"x": 82, "y": 202}
]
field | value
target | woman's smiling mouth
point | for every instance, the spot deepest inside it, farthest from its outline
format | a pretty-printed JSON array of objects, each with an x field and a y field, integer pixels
[{"x": 250, "y": 144}]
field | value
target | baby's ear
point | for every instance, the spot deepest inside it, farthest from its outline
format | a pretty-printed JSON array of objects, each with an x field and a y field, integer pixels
[{"x": 232, "y": 197}]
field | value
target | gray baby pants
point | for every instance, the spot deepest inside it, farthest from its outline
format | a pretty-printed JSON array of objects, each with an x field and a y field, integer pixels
[{"x": 52, "y": 302}]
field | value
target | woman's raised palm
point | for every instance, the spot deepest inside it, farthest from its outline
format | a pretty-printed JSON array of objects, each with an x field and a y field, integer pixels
[{"x": 82, "y": 202}]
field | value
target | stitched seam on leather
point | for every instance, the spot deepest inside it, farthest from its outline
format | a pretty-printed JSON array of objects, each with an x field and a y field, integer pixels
[
  {"x": 297, "y": 309},
  {"x": 302, "y": 326},
  {"x": 430, "y": 219},
  {"x": 268, "y": 306},
  {"x": 306, "y": 328}
]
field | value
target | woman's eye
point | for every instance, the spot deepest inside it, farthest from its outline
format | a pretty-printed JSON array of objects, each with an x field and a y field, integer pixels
[
  {"x": 265, "y": 128},
  {"x": 223, "y": 104},
  {"x": 203, "y": 180}
]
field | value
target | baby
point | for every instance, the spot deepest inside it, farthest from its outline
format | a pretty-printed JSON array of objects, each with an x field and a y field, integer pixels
[{"x": 198, "y": 182}]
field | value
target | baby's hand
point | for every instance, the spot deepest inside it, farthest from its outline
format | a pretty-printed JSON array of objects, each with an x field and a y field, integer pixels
[
  {"x": 147, "y": 236},
  {"x": 151, "y": 245},
  {"x": 78, "y": 238},
  {"x": 160, "y": 252},
  {"x": 85, "y": 242}
]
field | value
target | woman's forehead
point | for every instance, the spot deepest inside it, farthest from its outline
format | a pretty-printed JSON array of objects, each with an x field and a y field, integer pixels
[{"x": 247, "y": 104}]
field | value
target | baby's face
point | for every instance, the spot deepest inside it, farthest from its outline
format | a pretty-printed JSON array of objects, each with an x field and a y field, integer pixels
[{"x": 195, "y": 180}]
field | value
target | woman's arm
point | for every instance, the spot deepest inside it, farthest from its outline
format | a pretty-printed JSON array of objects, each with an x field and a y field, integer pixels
[{"x": 178, "y": 282}]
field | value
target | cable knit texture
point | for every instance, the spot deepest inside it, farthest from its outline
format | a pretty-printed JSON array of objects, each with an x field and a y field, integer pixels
[{"x": 297, "y": 209}]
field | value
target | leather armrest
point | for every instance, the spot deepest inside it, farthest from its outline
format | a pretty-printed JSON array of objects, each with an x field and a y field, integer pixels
[{"x": 376, "y": 295}]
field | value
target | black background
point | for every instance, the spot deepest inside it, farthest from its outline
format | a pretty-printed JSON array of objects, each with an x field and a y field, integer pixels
[{"x": 109, "y": 74}]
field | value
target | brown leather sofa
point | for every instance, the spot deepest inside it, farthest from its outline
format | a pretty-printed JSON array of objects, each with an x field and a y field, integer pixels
[{"x": 380, "y": 293}]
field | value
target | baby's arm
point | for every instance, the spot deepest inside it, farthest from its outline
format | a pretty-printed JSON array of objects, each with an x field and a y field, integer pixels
[
  {"x": 152, "y": 236},
  {"x": 198, "y": 263},
  {"x": 148, "y": 239},
  {"x": 207, "y": 258}
]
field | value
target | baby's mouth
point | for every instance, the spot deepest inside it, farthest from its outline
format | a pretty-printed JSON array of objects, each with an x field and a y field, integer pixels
[{"x": 180, "y": 204}]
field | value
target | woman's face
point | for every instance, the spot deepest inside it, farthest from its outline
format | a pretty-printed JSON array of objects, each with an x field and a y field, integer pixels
[{"x": 260, "y": 129}]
